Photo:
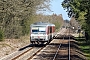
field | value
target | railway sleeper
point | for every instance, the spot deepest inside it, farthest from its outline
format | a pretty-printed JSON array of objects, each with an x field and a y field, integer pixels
[{"x": 60, "y": 36}]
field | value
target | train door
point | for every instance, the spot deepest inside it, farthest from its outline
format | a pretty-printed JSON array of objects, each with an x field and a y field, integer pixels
[
  {"x": 53, "y": 30},
  {"x": 50, "y": 32}
]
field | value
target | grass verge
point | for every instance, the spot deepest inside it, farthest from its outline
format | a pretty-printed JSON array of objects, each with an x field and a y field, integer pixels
[{"x": 85, "y": 46}]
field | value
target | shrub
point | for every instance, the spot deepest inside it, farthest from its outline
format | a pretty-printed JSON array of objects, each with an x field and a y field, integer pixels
[{"x": 1, "y": 35}]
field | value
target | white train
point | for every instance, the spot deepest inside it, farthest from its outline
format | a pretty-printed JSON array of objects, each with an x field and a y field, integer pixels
[{"x": 41, "y": 32}]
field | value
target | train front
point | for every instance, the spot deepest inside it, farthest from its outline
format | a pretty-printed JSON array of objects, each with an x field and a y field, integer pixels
[{"x": 38, "y": 34}]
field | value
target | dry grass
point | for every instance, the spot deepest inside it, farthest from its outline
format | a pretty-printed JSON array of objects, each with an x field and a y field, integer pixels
[{"x": 11, "y": 45}]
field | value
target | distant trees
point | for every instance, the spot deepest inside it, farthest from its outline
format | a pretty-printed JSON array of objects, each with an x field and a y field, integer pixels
[
  {"x": 74, "y": 23},
  {"x": 54, "y": 18},
  {"x": 57, "y": 20},
  {"x": 16, "y": 16},
  {"x": 80, "y": 10}
]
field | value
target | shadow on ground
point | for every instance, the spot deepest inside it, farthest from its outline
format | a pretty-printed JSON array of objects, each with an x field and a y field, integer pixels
[{"x": 32, "y": 45}]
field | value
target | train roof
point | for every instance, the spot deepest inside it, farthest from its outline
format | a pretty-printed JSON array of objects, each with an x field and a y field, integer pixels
[{"x": 42, "y": 23}]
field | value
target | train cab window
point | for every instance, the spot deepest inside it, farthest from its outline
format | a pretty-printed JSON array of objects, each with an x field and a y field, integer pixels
[
  {"x": 42, "y": 29},
  {"x": 37, "y": 29},
  {"x": 34, "y": 29}
]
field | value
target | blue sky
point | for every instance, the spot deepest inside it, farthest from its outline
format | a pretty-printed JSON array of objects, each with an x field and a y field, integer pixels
[{"x": 57, "y": 8}]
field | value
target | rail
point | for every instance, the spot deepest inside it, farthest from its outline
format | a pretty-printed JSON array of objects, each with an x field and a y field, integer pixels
[
  {"x": 57, "y": 52},
  {"x": 68, "y": 33},
  {"x": 21, "y": 54},
  {"x": 35, "y": 53}
]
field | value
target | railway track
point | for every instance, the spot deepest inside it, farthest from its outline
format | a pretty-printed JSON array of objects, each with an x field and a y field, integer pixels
[
  {"x": 62, "y": 52},
  {"x": 35, "y": 53},
  {"x": 16, "y": 57},
  {"x": 56, "y": 50},
  {"x": 67, "y": 36},
  {"x": 26, "y": 54}
]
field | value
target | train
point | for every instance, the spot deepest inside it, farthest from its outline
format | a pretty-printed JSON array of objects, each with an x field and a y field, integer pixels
[{"x": 41, "y": 32}]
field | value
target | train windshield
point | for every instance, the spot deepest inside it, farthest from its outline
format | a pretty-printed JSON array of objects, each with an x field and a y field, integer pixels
[{"x": 37, "y": 29}]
